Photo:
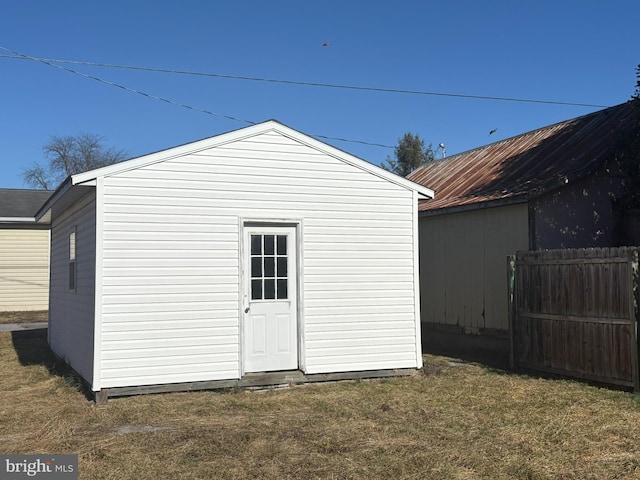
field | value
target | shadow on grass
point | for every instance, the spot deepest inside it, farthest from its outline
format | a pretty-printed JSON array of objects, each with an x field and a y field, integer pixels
[
  {"x": 32, "y": 348},
  {"x": 493, "y": 355}
]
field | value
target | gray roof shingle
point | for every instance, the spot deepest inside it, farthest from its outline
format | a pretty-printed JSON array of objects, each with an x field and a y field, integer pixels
[{"x": 19, "y": 203}]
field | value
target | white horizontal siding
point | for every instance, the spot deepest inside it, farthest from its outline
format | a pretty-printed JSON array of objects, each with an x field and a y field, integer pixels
[
  {"x": 197, "y": 371},
  {"x": 168, "y": 333},
  {"x": 171, "y": 268},
  {"x": 71, "y": 313},
  {"x": 255, "y": 203},
  {"x": 169, "y": 309},
  {"x": 24, "y": 269},
  {"x": 190, "y": 320},
  {"x": 187, "y": 217}
]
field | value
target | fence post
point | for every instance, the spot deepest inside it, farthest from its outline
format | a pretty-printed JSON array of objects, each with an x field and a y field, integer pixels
[
  {"x": 633, "y": 303},
  {"x": 511, "y": 281}
]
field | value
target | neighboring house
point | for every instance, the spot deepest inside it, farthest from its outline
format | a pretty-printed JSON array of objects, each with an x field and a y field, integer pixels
[
  {"x": 259, "y": 250},
  {"x": 24, "y": 251},
  {"x": 555, "y": 187}
]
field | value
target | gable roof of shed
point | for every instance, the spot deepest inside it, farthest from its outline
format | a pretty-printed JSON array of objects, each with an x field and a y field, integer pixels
[
  {"x": 89, "y": 178},
  {"x": 19, "y": 205},
  {"x": 510, "y": 170},
  {"x": 235, "y": 135}
]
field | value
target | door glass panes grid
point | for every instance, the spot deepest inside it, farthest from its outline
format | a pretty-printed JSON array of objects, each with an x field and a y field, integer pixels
[{"x": 269, "y": 267}]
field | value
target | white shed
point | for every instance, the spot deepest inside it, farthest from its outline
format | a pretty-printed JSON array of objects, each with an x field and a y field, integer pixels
[{"x": 258, "y": 256}]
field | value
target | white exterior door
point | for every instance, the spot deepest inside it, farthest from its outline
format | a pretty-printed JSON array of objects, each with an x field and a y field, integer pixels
[{"x": 270, "y": 320}]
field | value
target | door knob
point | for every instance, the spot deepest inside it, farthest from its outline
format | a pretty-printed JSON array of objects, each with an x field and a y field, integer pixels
[{"x": 246, "y": 310}]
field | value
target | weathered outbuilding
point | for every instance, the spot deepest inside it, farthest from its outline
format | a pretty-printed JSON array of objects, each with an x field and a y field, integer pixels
[
  {"x": 24, "y": 251},
  {"x": 556, "y": 187},
  {"x": 209, "y": 264}
]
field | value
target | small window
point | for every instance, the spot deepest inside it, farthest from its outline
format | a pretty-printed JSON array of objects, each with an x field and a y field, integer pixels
[
  {"x": 72, "y": 261},
  {"x": 269, "y": 267}
]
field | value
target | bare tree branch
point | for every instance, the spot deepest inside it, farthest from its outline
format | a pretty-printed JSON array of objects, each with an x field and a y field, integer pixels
[
  {"x": 68, "y": 155},
  {"x": 36, "y": 176}
]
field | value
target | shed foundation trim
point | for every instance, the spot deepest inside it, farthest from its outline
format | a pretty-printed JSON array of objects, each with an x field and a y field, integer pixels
[{"x": 252, "y": 380}]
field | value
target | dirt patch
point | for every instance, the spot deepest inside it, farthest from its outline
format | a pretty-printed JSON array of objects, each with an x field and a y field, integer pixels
[
  {"x": 24, "y": 317},
  {"x": 127, "y": 429}
]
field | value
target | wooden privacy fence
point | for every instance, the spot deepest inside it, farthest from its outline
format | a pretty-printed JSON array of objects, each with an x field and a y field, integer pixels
[{"x": 573, "y": 312}]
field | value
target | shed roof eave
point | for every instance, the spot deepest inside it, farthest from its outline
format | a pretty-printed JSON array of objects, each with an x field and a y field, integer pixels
[
  {"x": 427, "y": 195},
  {"x": 502, "y": 202},
  {"x": 86, "y": 178},
  {"x": 59, "y": 192},
  {"x": 17, "y": 220}
]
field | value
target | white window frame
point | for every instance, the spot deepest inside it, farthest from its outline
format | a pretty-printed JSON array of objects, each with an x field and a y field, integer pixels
[{"x": 73, "y": 260}]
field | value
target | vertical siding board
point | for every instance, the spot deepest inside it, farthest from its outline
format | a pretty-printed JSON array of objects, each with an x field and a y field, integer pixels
[{"x": 460, "y": 252}]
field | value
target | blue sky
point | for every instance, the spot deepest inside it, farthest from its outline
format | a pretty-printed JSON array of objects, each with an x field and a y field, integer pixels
[{"x": 576, "y": 51}]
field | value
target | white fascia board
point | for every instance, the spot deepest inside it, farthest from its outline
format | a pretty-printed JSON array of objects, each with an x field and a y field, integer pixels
[
  {"x": 423, "y": 192},
  {"x": 88, "y": 183},
  {"x": 62, "y": 189},
  {"x": 17, "y": 219},
  {"x": 270, "y": 125},
  {"x": 174, "y": 152},
  {"x": 416, "y": 280}
]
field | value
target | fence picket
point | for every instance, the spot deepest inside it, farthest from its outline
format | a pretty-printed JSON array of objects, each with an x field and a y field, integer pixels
[{"x": 574, "y": 312}]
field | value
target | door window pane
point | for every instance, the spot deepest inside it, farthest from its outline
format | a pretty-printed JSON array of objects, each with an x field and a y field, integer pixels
[
  {"x": 269, "y": 247},
  {"x": 256, "y": 289},
  {"x": 282, "y": 244},
  {"x": 282, "y": 288},
  {"x": 256, "y": 244},
  {"x": 269, "y": 289},
  {"x": 269, "y": 267},
  {"x": 256, "y": 267},
  {"x": 282, "y": 267}
]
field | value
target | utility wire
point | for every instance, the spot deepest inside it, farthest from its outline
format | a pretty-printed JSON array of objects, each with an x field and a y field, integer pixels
[
  {"x": 123, "y": 87},
  {"x": 308, "y": 84},
  {"x": 48, "y": 62}
]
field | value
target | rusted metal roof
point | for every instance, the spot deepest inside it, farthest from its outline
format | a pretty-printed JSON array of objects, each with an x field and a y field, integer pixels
[{"x": 527, "y": 164}]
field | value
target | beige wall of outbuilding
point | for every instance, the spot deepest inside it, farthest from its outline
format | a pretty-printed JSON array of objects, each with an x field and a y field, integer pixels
[
  {"x": 24, "y": 269},
  {"x": 463, "y": 266}
]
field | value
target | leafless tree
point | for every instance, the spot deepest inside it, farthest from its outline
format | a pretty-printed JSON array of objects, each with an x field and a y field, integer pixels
[{"x": 68, "y": 155}]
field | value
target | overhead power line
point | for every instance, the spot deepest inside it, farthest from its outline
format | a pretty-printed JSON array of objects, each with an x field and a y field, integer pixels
[
  {"x": 123, "y": 87},
  {"x": 162, "y": 99},
  {"x": 308, "y": 84}
]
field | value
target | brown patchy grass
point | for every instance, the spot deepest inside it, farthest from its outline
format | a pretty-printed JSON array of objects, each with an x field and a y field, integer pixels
[
  {"x": 453, "y": 421},
  {"x": 24, "y": 317}
]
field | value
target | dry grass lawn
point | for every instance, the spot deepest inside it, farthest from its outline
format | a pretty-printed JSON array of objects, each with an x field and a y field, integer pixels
[
  {"x": 452, "y": 421},
  {"x": 24, "y": 317}
]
